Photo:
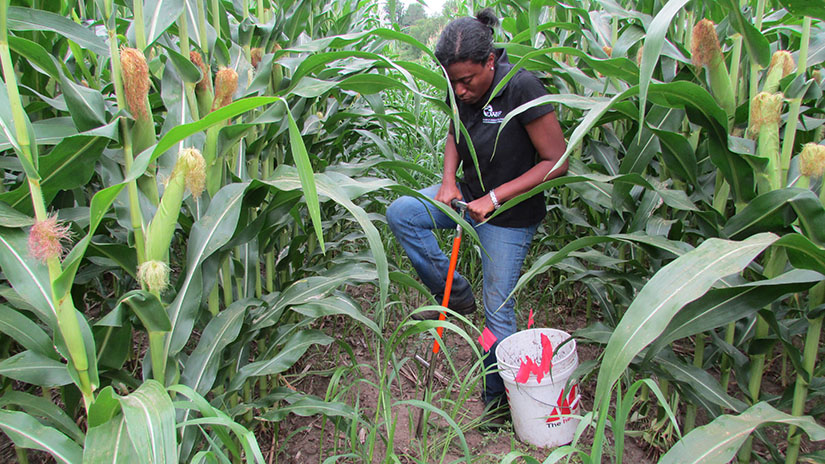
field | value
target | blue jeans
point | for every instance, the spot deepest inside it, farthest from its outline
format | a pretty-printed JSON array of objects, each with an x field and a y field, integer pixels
[{"x": 412, "y": 221}]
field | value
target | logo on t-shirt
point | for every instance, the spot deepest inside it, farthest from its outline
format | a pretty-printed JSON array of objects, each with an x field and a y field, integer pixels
[{"x": 491, "y": 116}]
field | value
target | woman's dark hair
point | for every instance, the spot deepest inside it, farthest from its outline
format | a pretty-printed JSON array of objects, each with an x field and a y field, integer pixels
[{"x": 467, "y": 39}]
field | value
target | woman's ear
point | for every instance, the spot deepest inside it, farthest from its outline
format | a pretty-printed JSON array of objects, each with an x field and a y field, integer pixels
[{"x": 491, "y": 61}]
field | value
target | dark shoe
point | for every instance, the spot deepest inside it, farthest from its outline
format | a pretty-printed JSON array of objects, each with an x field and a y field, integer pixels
[
  {"x": 464, "y": 309},
  {"x": 496, "y": 415}
]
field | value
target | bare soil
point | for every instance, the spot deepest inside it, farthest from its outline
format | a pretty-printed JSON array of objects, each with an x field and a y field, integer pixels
[{"x": 305, "y": 439}]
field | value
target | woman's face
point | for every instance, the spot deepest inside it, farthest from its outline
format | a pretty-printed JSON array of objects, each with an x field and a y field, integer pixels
[{"x": 471, "y": 80}]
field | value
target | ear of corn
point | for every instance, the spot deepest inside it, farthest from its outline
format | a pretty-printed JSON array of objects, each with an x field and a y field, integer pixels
[
  {"x": 189, "y": 170},
  {"x": 781, "y": 65},
  {"x": 706, "y": 52},
  {"x": 766, "y": 110},
  {"x": 203, "y": 89}
]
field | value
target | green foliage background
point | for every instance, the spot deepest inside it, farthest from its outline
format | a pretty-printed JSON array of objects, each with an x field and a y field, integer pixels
[{"x": 698, "y": 244}]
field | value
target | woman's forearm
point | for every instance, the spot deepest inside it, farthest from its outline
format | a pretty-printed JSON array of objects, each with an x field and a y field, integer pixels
[{"x": 525, "y": 182}]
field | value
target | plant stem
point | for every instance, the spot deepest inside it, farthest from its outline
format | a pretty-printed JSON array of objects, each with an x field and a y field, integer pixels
[
  {"x": 156, "y": 354},
  {"x": 140, "y": 30},
  {"x": 22, "y": 455},
  {"x": 698, "y": 361},
  {"x": 18, "y": 115},
  {"x": 802, "y": 64},
  {"x": 226, "y": 278},
  {"x": 66, "y": 313},
  {"x": 735, "y": 61},
  {"x": 216, "y": 20},
  {"x": 774, "y": 264},
  {"x": 204, "y": 42},
  {"x": 214, "y": 300},
  {"x": 134, "y": 203},
  {"x": 730, "y": 333},
  {"x": 191, "y": 100},
  {"x": 795, "y": 103},
  {"x": 816, "y": 298}
]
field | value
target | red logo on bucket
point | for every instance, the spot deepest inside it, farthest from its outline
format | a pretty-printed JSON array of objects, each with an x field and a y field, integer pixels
[{"x": 566, "y": 405}]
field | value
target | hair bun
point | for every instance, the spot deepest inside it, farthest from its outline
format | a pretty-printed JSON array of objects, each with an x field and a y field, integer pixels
[{"x": 487, "y": 17}]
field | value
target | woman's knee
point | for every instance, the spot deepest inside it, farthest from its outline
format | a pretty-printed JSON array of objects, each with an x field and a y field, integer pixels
[{"x": 398, "y": 211}]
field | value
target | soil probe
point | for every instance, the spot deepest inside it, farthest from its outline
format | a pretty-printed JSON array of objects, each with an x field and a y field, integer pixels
[{"x": 460, "y": 206}]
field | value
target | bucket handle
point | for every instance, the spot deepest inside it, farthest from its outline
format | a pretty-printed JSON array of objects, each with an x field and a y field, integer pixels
[{"x": 572, "y": 406}]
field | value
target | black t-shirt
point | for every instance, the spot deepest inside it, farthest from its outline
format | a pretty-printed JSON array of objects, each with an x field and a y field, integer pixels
[{"x": 515, "y": 153}]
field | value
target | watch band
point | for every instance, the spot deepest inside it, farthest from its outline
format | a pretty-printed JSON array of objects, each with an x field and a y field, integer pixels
[{"x": 495, "y": 200}]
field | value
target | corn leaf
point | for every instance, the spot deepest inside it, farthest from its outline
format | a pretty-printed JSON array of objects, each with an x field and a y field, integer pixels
[
  {"x": 9, "y": 131},
  {"x": 700, "y": 381},
  {"x": 301, "y": 159},
  {"x": 182, "y": 131},
  {"x": 453, "y": 425},
  {"x": 342, "y": 189},
  {"x": 105, "y": 407},
  {"x": 805, "y": 8},
  {"x": 150, "y": 420},
  {"x": 98, "y": 208},
  {"x": 723, "y": 305},
  {"x": 302, "y": 291},
  {"x": 759, "y": 49},
  {"x": 292, "y": 350},
  {"x": 85, "y": 105},
  {"x": 158, "y": 15},
  {"x": 109, "y": 443},
  {"x": 683, "y": 280},
  {"x": 678, "y": 155},
  {"x": 208, "y": 234},
  {"x": 190, "y": 73},
  {"x": 31, "y": 367},
  {"x": 719, "y": 441},
  {"x": 32, "y": 19},
  {"x": 308, "y": 405},
  {"x": 777, "y": 211},
  {"x": 335, "y": 304},
  {"x": 654, "y": 42},
  {"x": 36, "y": 55},
  {"x": 68, "y": 165},
  {"x": 29, "y": 277},
  {"x": 26, "y": 432},
  {"x": 13, "y": 219},
  {"x": 148, "y": 309},
  {"x": 24, "y": 331},
  {"x": 803, "y": 253},
  {"x": 211, "y": 415},
  {"x": 202, "y": 365},
  {"x": 45, "y": 408}
]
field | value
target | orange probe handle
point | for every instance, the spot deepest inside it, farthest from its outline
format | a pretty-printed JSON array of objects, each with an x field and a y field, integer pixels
[{"x": 448, "y": 287}]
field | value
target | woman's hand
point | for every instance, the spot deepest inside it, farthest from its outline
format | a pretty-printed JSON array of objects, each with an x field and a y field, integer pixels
[
  {"x": 480, "y": 208},
  {"x": 448, "y": 192}
]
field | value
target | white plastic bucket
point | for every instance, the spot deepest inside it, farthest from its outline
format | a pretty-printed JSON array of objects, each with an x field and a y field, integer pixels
[{"x": 539, "y": 410}]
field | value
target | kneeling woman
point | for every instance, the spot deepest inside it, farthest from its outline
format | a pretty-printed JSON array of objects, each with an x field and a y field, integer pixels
[{"x": 528, "y": 147}]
